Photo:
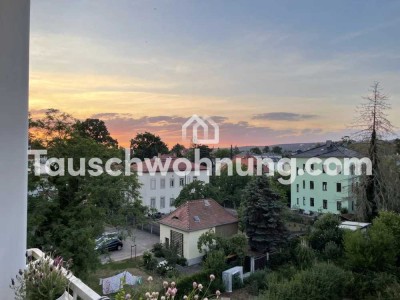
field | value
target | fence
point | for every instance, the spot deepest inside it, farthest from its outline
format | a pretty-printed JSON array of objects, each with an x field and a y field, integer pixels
[{"x": 151, "y": 227}]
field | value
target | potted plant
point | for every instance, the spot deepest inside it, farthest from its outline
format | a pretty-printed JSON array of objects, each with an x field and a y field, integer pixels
[{"x": 43, "y": 278}]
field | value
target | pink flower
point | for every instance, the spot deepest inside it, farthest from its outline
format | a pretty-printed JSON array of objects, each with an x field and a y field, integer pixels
[{"x": 172, "y": 291}]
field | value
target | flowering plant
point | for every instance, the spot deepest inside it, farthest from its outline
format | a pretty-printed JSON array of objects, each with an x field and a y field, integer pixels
[{"x": 42, "y": 279}]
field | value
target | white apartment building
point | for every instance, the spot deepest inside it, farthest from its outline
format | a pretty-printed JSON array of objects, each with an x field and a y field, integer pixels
[{"x": 159, "y": 191}]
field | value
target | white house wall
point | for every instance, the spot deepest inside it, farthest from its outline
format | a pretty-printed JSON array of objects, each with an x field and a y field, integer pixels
[{"x": 149, "y": 191}]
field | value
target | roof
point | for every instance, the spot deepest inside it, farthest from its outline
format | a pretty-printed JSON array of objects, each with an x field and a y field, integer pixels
[
  {"x": 155, "y": 163},
  {"x": 329, "y": 149},
  {"x": 353, "y": 225},
  {"x": 198, "y": 214}
]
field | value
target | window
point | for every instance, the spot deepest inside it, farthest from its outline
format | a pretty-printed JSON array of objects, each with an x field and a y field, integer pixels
[
  {"x": 311, "y": 201},
  {"x": 181, "y": 181},
  {"x": 153, "y": 183},
  {"x": 171, "y": 182},
  {"x": 297, "y": 201},
  {"x": 304, "y": 167},
  {"x": 338, "y": 187},
  {"x": 311, "y": 185},
  {"x": 153, "y": 202},
  {"x": 324, "y": 186},
  {"x": 312, "y": 167},
  {"x": 352, "y": 205},
  {"x": 339, "y": 205},
  {"x": 167, "y": 242},
  {"x": 323, "y": 169},
  {"x": 304, "y": 201},
  {"x": 297, "y": 187},
  {"x": 194, "y": 178},
  {"x": 162, "y": 202},
  {"x": 297, "y": 170},
  {"x": 304, "y": 184},
  {"x": 162, "y": 183},
  {"x": 171, "y": 201},
  {"x": 325, "y": 204}
]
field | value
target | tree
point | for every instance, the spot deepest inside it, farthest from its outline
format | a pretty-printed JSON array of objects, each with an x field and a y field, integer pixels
[
  {"x": 97, "y": 130},
  {"x": 68, "y": 214},
  {"x": 397, "y": 144},
  {"x": 277, "y": 150},
  {"x": 177, "y": 150},
  {"x": 236, "y": 150},
  {"x": 256, "y": 150},
  {"x": 204, "y": 151},
  {"x": 222, "y": 153},
  {"x": 196, "y": 190},
  {"x": 263, "y": 216},
  {"x": 325, "y": 230},
  {"x": 230, "y": 186},
  {"x": 147, "y": 145},
  {"x": 266, "y": 149},
  {"x": 374, "y": 125},
  {"x": 378, "y": 248},
  {"x": 54, "y": 126}
]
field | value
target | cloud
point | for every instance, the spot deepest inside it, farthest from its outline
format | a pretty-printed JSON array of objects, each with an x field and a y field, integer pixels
[
  {"x": 124, "y": 127},
  {"x": 283, "y": 116}
]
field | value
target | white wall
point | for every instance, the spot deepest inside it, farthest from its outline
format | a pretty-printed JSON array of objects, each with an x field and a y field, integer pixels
[
  {"x": 14, "y": 63},
  {"x": 146, "y": 191},
  {"x": 190, "y": 251}
]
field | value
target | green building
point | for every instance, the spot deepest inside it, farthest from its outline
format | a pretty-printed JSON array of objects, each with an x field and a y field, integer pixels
[{"x": 324, "y": 193}]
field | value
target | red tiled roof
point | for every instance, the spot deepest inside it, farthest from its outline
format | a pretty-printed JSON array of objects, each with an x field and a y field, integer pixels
[
  {"x": 198, "y": 214},
  {"x": 153, "y": 162}
]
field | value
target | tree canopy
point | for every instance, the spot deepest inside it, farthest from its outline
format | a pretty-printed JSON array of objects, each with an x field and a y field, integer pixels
[
  {"x": 97, "y": 130},
  {"x": 263, "y": 216},
  {"x": 147, "y": 145}
]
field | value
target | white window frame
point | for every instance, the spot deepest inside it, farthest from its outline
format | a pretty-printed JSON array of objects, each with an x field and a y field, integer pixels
[
  {"x": 162, "y": 183},
  {"x": 162, "y": 202},
  {"x": 153, "y": 184}
]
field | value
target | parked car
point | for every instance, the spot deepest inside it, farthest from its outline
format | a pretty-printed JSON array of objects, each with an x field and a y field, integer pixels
[
  {"x": 156, "y": 215},
  {"x": 109, "y": 235},
  {"x": 108, "y": 244}
]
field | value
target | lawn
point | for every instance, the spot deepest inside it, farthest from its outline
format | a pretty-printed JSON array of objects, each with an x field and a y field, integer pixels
[{"x": 133, "y": 266}]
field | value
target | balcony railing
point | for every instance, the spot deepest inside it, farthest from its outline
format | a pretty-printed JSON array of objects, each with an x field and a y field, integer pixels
[{"x": 77, "y": 289}]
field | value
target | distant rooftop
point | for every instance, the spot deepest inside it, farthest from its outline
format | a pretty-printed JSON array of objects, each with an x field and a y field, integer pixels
[
  {"x": 198, "y": 214},
  {"x": 159, "y": 166},
  {"x": 329, "y": 149}
]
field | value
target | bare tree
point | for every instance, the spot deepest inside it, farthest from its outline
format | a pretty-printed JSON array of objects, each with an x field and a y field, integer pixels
[{"x": 374, "y": 126}]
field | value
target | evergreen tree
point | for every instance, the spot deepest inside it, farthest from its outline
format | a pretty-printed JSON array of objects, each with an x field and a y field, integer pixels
[{"x": 263, "y": 216}]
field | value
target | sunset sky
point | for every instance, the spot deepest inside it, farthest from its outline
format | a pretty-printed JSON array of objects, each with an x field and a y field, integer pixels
[{"x": 267, "y": 72}]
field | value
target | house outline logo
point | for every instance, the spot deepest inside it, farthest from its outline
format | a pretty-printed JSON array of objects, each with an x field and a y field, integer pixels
[{"x": 204, "y": 123}]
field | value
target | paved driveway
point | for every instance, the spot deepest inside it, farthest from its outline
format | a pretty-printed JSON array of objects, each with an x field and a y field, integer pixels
[{"x": 144, "y": 241}]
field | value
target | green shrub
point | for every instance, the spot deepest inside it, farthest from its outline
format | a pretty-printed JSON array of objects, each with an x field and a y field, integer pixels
[
  {"x": 149, "y": 261},
  {"x": 372, "y": 285},
  {"x": 185, "y": 285},
  {"x": 182, "y": 261},
  {"x": 158, "y": 250},
  {"x": 215, "y": 262},
  {"x": 324, "y": 231},
  {"x": 257, "y": 281},
  {"x": 320, "y": 282},
  {"x": 332, "y": 251},
  {"x": 304, "y": 256}
]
